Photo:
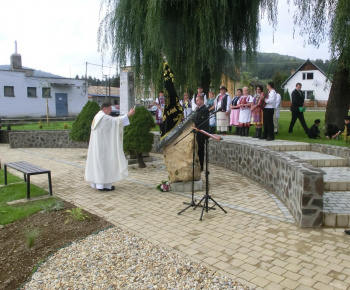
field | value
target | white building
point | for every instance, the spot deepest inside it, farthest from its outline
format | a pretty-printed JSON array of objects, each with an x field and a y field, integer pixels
[
  {"x": 25, "y": 92},
  {"x": 314, "y": 82}
]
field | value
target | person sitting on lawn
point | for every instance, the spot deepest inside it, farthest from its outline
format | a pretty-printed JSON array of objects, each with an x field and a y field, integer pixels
[
  {"x": 314, "y": 132},
  {"x": 332, "y": 131}
]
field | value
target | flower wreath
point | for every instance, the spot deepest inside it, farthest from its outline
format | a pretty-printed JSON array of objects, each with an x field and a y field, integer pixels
[{"x": 163, "y": 186}]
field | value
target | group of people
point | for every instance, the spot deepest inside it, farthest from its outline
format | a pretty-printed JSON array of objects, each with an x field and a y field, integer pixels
[
  {"x": 240, "y": 111},
  {"x": 331, "y": 131}
]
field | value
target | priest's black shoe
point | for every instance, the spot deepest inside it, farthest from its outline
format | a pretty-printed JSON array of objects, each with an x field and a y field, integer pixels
[
  {"x": 347, "y": 232},
  {"x": 269, "y": 139},
  {"x": 108, "y": 189}
]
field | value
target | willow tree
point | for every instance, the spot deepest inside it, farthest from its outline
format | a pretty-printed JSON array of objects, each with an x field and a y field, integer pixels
[
  {"x": 196, "y": 37},
  {"x": 320, "y": 20}
]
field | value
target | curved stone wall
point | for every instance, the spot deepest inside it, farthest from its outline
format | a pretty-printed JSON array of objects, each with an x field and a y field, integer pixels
[{"x": 297, "y": 183}]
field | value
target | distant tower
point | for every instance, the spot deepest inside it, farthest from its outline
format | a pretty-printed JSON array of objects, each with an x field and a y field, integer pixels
[{"x": 16, "y": 59}]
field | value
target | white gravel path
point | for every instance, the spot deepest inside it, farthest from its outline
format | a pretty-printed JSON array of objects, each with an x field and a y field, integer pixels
[{"x": 116, "y": 259}]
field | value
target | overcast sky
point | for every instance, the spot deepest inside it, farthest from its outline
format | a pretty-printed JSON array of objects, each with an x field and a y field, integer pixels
[{"x": 60, "y": 36}]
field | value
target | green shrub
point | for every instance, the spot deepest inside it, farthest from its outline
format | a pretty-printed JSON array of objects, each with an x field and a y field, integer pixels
[
  {"x": 137, "y": 136},
  {"x": 286, "y": 96},
  {"x": 82, "y": 125}
]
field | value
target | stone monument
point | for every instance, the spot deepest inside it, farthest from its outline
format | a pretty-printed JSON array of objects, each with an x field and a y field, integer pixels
[
  {"x": 178, "y": 159},
  {"x": 127, "y": 90}
]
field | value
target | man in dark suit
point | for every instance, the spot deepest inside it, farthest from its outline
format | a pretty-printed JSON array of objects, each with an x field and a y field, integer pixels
[
  {"x": 201, "y": 122},
  {"x": 297, "y": 103}
]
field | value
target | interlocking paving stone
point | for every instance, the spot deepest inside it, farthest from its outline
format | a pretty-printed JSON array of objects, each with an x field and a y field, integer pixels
[{"x": 256, "y": 227}]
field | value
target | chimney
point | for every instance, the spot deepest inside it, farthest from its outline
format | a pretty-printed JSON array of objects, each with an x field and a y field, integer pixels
[
  {"x": 292, "y": 72},
  {"x": 16, "y": 59}
]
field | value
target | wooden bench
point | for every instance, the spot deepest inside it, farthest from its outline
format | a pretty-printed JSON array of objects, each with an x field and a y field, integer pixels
[{"x": 28, "y": 169}]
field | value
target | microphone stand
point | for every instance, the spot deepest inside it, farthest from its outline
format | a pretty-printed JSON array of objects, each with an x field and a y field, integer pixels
[
  {"x": 193, "y": 201},
  {"x": 207, "y": 197},
  {"x": 194, "y": 131}
]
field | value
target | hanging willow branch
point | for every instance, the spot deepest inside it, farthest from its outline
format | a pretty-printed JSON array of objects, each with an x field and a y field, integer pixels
[{"x": 194, "y": 35}]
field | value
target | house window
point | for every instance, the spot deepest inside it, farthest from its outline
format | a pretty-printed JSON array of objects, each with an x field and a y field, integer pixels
[
  {"x": 9, "y": 91},
  {"x": 46, "y": 92},
  {"x": 309, "y": 95},
  {"x": 31, "y": 92},
  {"x": 308, "y": 76}
]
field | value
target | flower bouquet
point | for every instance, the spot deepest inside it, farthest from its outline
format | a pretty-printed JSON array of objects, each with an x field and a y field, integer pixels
[{"x": 163, "y": 186}]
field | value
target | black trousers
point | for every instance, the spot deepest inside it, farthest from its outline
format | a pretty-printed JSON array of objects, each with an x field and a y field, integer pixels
[
  {"x": 300, "y": 116},
  {"x": 268, "y": 123},
  {"x": 201, "y": 146}
]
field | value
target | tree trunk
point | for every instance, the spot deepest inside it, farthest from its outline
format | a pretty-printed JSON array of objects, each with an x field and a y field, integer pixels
[
  {"x": 142, "y": 164},
  {"x": 206, "y": 80},
  {"x": 339, "y": 97}
]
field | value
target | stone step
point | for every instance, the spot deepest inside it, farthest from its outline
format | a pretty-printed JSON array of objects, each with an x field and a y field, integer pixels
[
  {"x": 336, "y": 178},
  {"x": 336, "y": 209},
  {"x": 320, "y": 159}
]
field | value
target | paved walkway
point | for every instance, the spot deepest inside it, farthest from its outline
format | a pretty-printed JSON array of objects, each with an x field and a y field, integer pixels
[{"x": 257, "y": 242}]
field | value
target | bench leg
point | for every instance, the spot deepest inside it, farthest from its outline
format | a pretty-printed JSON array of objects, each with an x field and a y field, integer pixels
[
  {"x": 28, "y": 186},
  {"x": 50, "y": 185},
  {"x": 5, "y": 174}
]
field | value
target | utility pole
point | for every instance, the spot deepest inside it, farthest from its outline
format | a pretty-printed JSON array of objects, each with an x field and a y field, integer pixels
[{"x": 105, "y": 76}]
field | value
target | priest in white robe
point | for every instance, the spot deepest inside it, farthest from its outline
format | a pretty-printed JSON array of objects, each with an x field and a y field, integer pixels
[{"x": 106, "y": 162}]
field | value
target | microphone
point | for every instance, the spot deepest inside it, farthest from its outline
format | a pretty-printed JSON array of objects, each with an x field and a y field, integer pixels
[{"x": 218, "y": 110}]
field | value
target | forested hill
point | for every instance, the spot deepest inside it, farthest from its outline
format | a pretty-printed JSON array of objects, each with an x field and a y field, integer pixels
[{"x": 268, "y": 64}]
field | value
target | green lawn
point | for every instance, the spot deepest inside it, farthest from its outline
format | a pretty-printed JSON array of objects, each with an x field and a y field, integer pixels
[
  {"x": 16, "y": 189},
  {"x": 298, "y": 131},
  {"x": 35, "y": 126}
]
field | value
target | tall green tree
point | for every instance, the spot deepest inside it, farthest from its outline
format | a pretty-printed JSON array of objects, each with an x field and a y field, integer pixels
[
  {"x": 318, "y": 20},
  {"x": 195, "y": 36}
]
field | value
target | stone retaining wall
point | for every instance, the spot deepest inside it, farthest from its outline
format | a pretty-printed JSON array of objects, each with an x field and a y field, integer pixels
[
  {"x": 297, "y": 183},
  {"x": 43, "y": 139}
]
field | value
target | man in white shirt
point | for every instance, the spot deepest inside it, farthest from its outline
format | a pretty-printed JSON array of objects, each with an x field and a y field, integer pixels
[
  {"x": 268, "y": 111},
  {"x": 106, "y": 162}
]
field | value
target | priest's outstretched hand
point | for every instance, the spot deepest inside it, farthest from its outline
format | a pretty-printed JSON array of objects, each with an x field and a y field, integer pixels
[{"x": 131, "y": 112}]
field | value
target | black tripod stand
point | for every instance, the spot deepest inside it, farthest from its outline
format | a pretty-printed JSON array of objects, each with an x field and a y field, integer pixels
[
  {"x": 193, "y": 201},
  {"x": 207, "y": 197}
]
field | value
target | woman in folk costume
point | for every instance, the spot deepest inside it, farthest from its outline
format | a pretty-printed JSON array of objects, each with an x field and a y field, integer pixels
[
  {"x": 186, "y": 105},
  {"x": 223, "y": 102},
  {"x": 256, "y": 111},
  {"x": 211, "y": 107},
  {"x": 160, "y": 103},
  {"x": 235, "y": 111},
  {"x": 244, "y": 104}
]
